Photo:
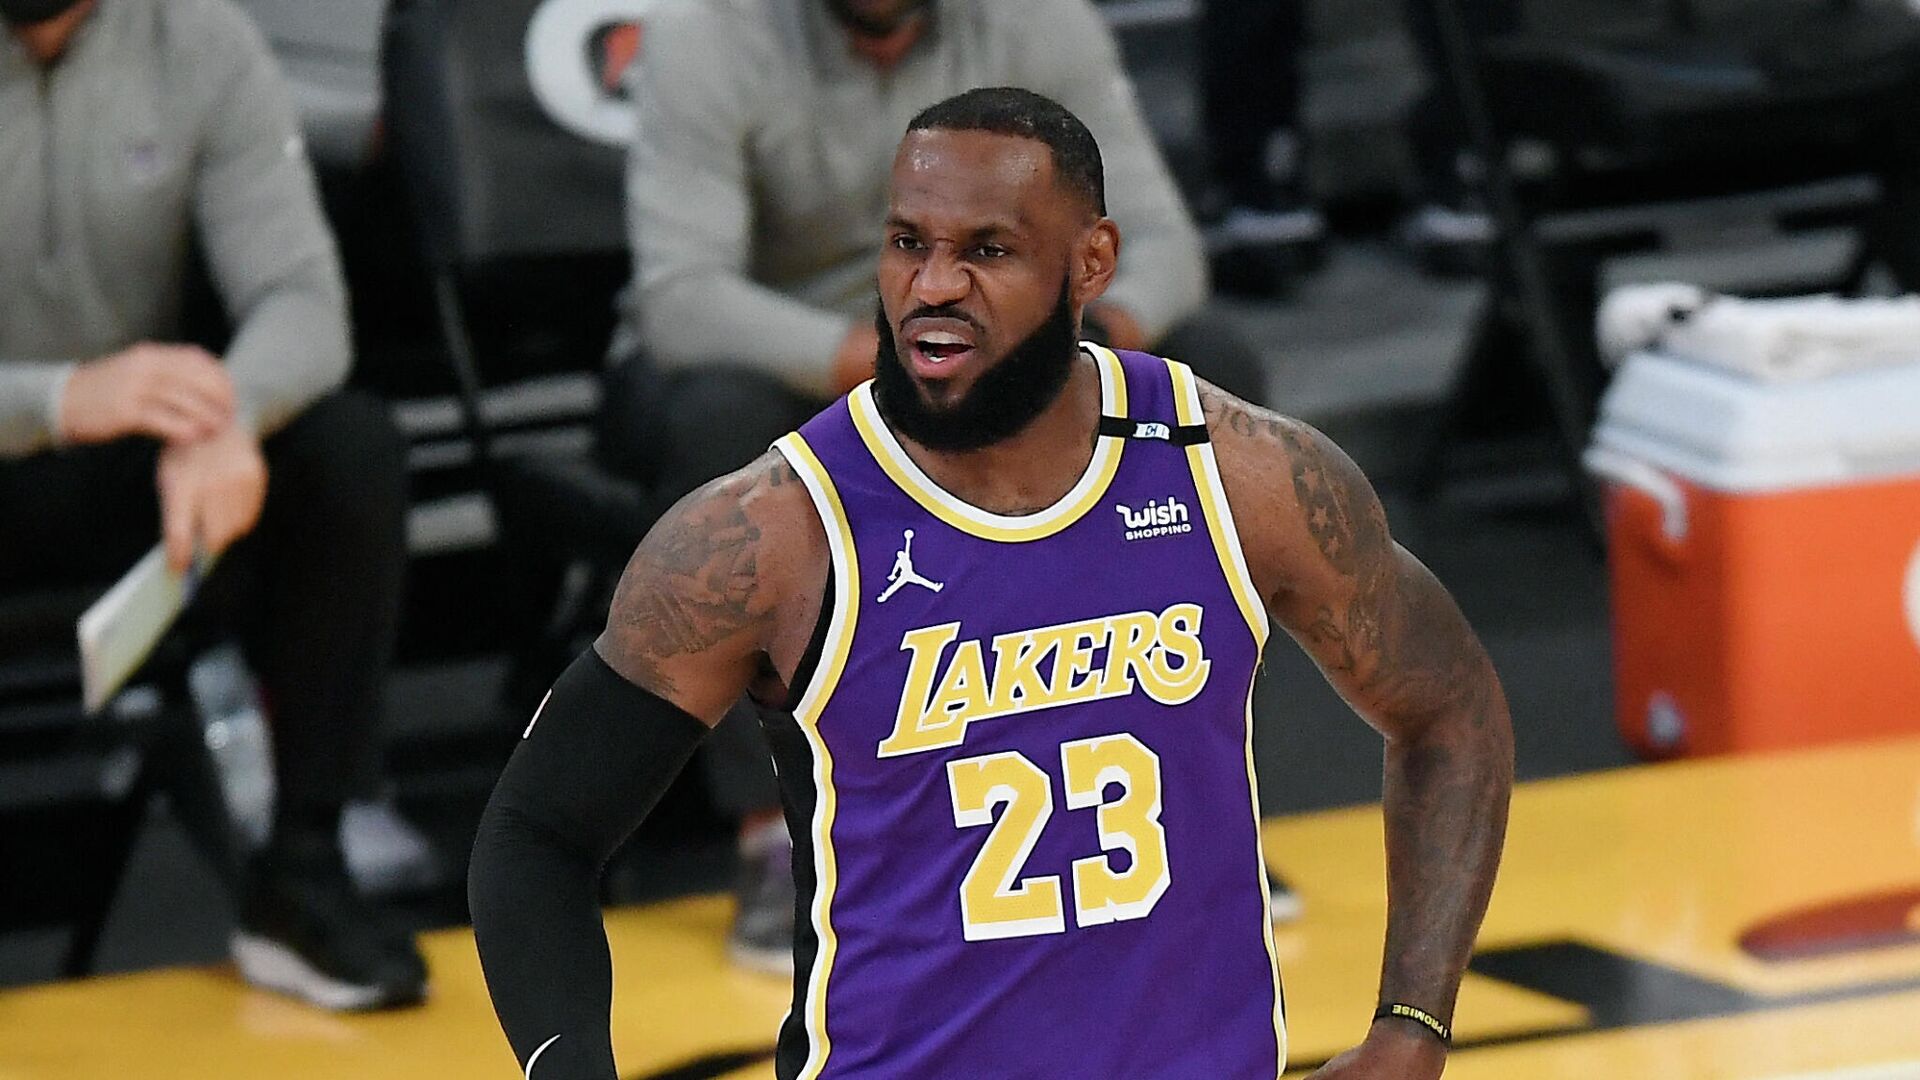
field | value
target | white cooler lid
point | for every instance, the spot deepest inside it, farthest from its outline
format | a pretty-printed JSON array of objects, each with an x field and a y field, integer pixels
[{"x": 1733, "y": 433}]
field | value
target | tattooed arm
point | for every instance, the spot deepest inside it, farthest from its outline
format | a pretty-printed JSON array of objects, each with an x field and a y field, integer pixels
[
  {"x": 730, "y": 580},
  {"x": 724, "y": 587},
  {"x": 1393, "y": 643}
]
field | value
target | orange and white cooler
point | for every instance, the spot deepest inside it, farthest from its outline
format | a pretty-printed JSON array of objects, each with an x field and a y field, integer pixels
[{"x": 1764, "y": 541}]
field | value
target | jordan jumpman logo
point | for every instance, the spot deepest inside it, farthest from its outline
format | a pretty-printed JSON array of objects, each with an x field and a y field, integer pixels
[{"x": 903, "y": 573}]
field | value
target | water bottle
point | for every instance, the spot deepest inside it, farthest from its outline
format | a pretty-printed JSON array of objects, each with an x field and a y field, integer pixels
[{"x": 234, "y": 726}]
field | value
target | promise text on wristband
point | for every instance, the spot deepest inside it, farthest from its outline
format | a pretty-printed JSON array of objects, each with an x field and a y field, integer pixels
[{"x": 1419, "y": 1016}]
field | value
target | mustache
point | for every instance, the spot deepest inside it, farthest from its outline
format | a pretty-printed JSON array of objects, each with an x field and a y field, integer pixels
[
  {"x": 942, "y": 311},
  {"x": 1003, "y": 400}
]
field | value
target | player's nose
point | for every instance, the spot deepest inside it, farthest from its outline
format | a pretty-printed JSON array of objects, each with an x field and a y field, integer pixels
[{"x": 941, "y": 280}]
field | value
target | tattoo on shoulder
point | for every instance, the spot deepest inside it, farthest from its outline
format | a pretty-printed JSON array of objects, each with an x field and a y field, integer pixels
[
  {"x": 1341, "y": 515},
  {"x": 1350, "y": 530},
  {"x": 1398, "y": 634},
  {"x": 1339, "y": 510},
  {"x": 694, "y": 581},
  {"x": 779, "y": 472},
  {"x": 1243, "y": 419}
]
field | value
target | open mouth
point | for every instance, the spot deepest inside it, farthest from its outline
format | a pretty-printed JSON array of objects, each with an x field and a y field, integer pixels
[
  {"x": 937, "y": 352},
  {"x": 939, "y": 348}
]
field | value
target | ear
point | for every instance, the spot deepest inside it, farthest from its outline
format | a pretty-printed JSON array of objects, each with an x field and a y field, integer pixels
[{"x": 1096, "y": 257}]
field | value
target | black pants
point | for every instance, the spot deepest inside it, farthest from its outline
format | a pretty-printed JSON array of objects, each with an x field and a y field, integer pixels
[
  {"x": 314, "y": 591},
  {"x": 1249, "y": 87},
  {"x": 677, "y": 430},
  {"x": 1250, "y": 82},
  {"x": 1437, "y": 127}
]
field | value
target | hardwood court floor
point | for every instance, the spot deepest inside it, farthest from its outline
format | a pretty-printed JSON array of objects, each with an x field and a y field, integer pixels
[{"x": 1612, "y": 950}]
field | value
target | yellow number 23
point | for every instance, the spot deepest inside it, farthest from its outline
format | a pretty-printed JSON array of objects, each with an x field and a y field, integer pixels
[{"x": 996, "y": 902}]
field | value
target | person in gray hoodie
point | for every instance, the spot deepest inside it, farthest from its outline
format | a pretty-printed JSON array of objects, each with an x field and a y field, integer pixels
[{"x": 128, "y": 130}]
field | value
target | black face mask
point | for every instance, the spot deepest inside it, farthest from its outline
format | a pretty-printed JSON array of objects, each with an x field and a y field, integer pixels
[
  {"x": 999, "y": 404},
  {"x": 869, "y": 27},
  {"x": 28, "y": 12}
]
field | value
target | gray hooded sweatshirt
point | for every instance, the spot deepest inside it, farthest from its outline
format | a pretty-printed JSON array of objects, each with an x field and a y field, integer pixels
[{"x": 164, "y": 120}]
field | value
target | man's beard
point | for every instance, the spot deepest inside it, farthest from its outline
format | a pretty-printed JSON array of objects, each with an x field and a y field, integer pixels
[
  {"x": 1003, "y": 400},
  {"x": 866, "y": 26}
]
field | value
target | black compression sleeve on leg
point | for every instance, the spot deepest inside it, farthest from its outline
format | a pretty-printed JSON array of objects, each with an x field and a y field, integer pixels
[{"x": 596, "y": 758}]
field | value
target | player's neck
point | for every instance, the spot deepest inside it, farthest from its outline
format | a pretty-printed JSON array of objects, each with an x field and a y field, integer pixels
[{"x": 1034, "y": 469}]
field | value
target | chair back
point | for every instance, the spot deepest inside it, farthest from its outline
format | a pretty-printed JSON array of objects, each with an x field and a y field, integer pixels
[{"x": 510, "y": 120}]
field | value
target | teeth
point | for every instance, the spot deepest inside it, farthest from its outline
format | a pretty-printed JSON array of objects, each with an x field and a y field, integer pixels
[{"x": 942, "y": 337}]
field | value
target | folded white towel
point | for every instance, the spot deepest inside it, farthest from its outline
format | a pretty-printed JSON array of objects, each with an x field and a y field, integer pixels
[
  {"x": 1787, "y": 340},
  {"x": 1636, "y": 317}
]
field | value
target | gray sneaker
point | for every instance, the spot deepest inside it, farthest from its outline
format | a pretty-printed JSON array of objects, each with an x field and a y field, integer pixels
[
  {"x": 1450, "y": 240},
  {"x": 762, "y": 935},
  {"x": 1248, "y": 227},
  {"x": 386, "y": 855},
  {"x": 1259, "y": 251},
  {"x": 1283, "y": 904}
]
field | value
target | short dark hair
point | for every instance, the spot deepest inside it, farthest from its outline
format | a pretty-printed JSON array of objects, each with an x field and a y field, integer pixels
[{"x": 1009, "y": 110}]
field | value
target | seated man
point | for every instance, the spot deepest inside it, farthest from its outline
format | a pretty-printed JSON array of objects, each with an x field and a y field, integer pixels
[
  {"x": 757, "y": 178},
  {"x": 1264, "y": 226},
  {"x": 131, "y": 125}
]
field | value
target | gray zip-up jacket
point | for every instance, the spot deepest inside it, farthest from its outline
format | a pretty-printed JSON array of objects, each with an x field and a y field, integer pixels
[
  {"x": 757, "y": 182},
  {"x": 163, "y": 116}
]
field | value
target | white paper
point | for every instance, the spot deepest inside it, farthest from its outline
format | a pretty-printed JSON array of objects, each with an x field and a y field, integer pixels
[{"x": 120, "y": 630}]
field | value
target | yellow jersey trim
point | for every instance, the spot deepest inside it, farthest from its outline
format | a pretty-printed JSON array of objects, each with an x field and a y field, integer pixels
[
  {"x": 1213, "y": 499},
  {"x": 813, "y": 703},
  {"x": 1266, "y": 891},
  {"x": 1233, "y": 563},
  {"x": 966, "y": 517}
]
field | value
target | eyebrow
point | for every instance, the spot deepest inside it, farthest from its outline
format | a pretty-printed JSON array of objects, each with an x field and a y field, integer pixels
[{"x": 985, "y": 232}]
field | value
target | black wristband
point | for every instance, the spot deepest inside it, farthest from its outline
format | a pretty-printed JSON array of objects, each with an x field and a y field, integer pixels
[{"x": 1419, "y": 1016}]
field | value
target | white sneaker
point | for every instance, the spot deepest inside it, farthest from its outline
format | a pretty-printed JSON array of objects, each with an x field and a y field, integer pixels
[{"x": 1245, "y": 227}]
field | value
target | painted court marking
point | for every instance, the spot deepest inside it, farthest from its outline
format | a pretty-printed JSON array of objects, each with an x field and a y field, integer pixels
[{"x": 1906, "y": 1070}]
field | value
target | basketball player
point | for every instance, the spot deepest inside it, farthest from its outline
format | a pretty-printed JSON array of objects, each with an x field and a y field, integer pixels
[{"x": 1022, "y": 788}]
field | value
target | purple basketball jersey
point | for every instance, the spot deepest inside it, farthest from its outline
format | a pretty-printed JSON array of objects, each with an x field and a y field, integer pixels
[{"x": 1021, "y": 778}]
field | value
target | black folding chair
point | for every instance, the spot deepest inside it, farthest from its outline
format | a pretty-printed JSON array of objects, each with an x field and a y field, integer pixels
[
  {"x": 1648, "y": 133},
  {"x": 75, "y": 789},
  {"x": 515, "y": 181}
]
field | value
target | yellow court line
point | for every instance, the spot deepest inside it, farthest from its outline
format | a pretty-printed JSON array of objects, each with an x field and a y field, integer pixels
[{"x": 1899, "y": 1070}]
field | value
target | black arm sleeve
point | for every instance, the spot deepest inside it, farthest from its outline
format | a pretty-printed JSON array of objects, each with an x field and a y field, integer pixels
[{"x": 596, "y": 758}]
